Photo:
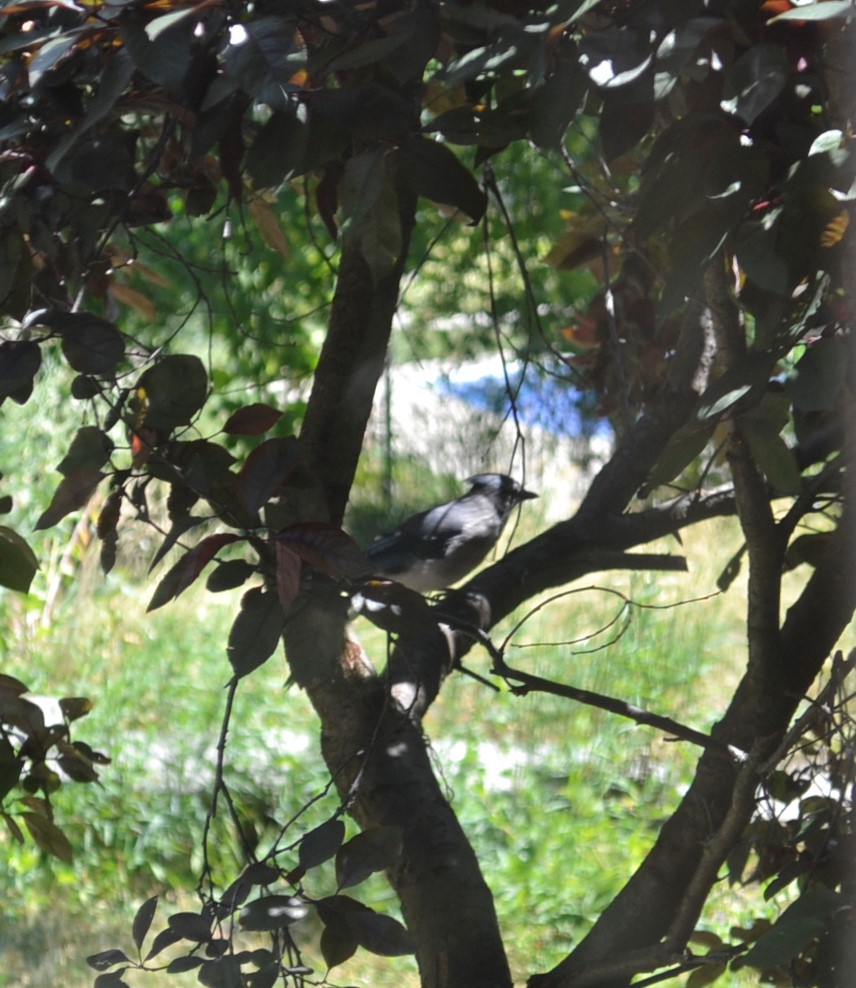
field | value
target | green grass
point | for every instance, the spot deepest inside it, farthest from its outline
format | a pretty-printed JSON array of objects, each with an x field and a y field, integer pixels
[{"x": 561, "y": 801}]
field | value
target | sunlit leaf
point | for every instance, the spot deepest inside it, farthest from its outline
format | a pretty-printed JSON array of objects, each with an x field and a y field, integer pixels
[
  {"x": 188, "y": 568},
  {"x": 269, "y": 226},
  {"x": 48, "y": 836},
  {"x": 803, "y": 922},
  {"x": 252, "y": 420},
  {"x": 835, "y": 229},
  {"x": 273, "y": 912},
  {"x": 755, "y": 80},
  {"x": 821, "y": 10}
]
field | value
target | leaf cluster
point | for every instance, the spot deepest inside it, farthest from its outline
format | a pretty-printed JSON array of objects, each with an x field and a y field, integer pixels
[
  {"x": 255, "y": 904},
  {"x": 36, "y": 757}
]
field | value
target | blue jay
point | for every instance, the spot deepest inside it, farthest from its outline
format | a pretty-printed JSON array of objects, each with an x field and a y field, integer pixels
[{"x": 438, "y": 547}]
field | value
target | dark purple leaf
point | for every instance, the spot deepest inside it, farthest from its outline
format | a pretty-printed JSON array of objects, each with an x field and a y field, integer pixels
[
  {"x": 265, "y": 471},
  {"x": 143, "y": 921},
  {"x": 256, "y": 631},
  {"x": 18, "y": 563},
  {"x": 326, "y": 548},
  {"x": 273, "y": 912},
  {"x": 19, "y": 363},
  {"x": 107, "y": 958},
  {"x": 320, "y": 844},
  {"x": 372, "y": 850},
  {"x": 72, "y": 494},
  {"x": 191, "y": 926},
  {"x": 188, "y": 568}
]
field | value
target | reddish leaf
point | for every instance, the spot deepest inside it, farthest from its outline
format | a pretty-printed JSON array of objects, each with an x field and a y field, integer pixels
[
  {"x": 48, "y": 836},
  {"x": 288, "y": 568},
  {"x": 72, "y": 494},
  {"x": 252, "y": 420},
  {"x": 326, "y": 548},
  {"x": 188, "y": 568}
]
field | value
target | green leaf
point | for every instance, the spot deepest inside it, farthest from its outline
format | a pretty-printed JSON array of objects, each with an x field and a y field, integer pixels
[
  {"x": 188, "y": 568},
  {"x": 682, "y": 449},
  {"x": 819, "y": 375},
  {"x": 705, "y": 975},
  {"x": 436, "y": 173},
  {"x": 72, "y": 494},
  {"x": 755, "y": 80},
  {"x": 256, "y": 631},
  {"x": 800, "y": 925},
  {"x": 375, "y": 849},
  {"x": 273, "y": 912},
  {"x": 172, "y": 391},
  {"x": 739, "y": 384},
  {"x": 18, "y": 562},
  {"x": 821, "y": 10}
]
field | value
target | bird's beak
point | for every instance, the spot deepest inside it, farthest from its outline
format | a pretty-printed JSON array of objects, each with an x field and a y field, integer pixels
[{"x": 527, "y": 495}]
